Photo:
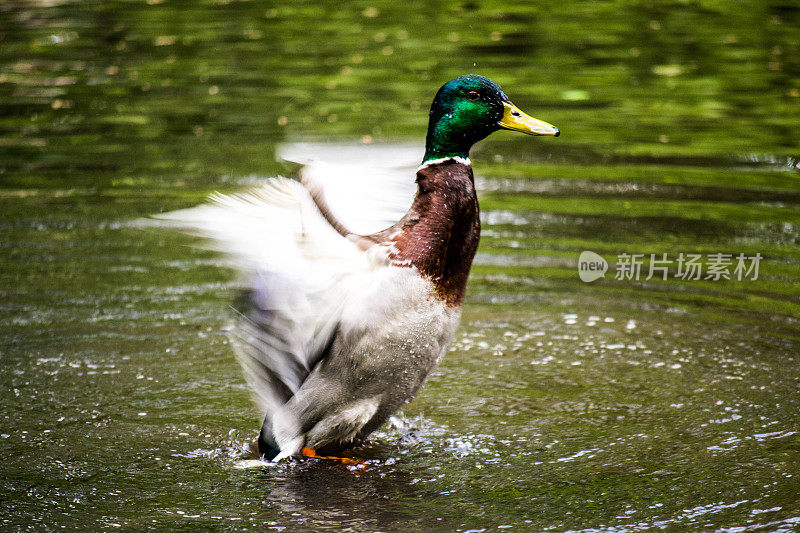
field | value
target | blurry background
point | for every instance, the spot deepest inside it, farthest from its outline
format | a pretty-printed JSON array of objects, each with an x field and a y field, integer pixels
[{"x": 563, "y": 405}]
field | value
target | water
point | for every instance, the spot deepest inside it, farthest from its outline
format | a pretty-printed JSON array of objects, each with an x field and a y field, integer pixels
[{"x": 617, "y": 405}]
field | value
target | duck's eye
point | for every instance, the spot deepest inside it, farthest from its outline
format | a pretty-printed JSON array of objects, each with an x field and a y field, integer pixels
[{"x": 473, "y": 96}]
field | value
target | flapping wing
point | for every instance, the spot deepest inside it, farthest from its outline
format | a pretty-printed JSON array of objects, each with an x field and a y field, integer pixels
[
  {"x": 300, "y": 272},
  {"x": 361, "y": 189},
  {"x": 293, "y": 249},
  {"x": 363, "y": 201}
]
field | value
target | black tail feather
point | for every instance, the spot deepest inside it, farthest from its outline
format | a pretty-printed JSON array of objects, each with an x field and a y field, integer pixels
[{"x": 266, "y": 444}]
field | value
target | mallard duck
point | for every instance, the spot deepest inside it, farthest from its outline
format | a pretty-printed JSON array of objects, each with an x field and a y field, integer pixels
[{"x": 337, "y": 330}]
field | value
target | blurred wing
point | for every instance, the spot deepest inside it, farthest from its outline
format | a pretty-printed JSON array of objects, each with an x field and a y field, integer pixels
[
  {"x": 364, "y": 201},
  {"x": 300, "y": 273},
  {"x": 366, "y": 188}
]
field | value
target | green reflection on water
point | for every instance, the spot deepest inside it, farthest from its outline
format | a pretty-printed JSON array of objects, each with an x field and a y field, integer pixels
[{"x": 680, "y": 134}]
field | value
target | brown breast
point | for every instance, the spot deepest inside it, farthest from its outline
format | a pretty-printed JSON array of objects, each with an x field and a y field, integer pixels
[{"x": 439, "y": 234}]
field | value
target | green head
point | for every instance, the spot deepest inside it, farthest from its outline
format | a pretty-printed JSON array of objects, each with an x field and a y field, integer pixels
[{"x": 467, "y": 109}]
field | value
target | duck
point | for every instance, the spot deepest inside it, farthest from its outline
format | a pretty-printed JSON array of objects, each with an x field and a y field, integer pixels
[{"x": 335, "y": 329}]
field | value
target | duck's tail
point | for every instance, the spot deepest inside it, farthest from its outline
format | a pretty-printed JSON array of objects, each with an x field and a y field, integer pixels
[{"x": 267, "y": 447}]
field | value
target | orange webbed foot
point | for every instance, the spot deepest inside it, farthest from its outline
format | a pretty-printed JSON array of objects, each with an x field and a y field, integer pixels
[{"x": 349, "y": 462}]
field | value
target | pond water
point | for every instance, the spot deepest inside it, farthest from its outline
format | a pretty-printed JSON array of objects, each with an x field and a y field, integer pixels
[{"x": 617, "y": 405}]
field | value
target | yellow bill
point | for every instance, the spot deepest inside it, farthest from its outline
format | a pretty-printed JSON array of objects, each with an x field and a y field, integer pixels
[{"x": 516, "y": 120}]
